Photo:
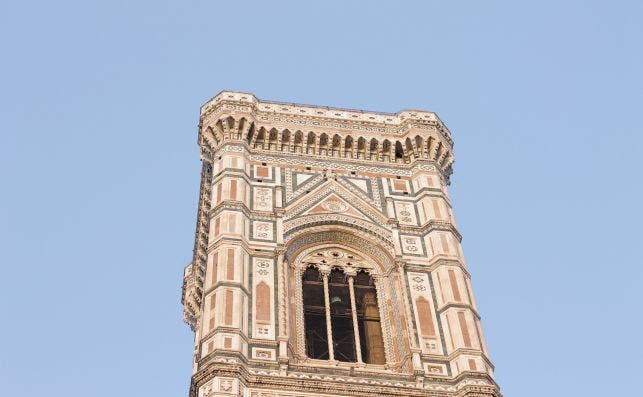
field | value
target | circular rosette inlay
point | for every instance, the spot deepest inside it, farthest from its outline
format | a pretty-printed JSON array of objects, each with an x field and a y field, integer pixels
[{"x": 334, "y": 206}]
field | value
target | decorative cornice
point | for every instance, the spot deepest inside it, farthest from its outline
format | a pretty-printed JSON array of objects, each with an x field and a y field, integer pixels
[
  {"x": 344, "y": 382},
  {"x": 369, "y": 137},
  {"x": 393, "y": 124},
  {"x": 341, "y": 165}
]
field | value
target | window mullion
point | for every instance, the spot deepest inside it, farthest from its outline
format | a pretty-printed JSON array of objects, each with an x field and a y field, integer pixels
[
  {"x": 358, "y": 347},
  {"x": 329, "y": 328}
]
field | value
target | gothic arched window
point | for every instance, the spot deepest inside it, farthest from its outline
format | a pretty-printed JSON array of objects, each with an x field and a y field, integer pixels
[
  {"x": 341, "y": 313},
  {"x": 315, "y": 315}
]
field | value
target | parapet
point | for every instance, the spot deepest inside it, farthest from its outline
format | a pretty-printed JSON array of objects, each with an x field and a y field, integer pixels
[{"x": 398, "y": 139}]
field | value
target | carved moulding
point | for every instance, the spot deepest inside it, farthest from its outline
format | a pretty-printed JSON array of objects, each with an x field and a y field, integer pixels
[
  {"x": 301, "y": 238},
  {"x": 230, "y": 102},
  {"x": 298, "y": 160},
  {"x": 351, "y": 225},
  {"x": 267, "y": 381},
  {"x": 364, "y": 206},
  {"x": 377, "y": 253}
]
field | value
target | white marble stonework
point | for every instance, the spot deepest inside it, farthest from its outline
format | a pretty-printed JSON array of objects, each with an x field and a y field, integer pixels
[
  {"x": 263, "y": 230},
  {"x": 327, "y": 261},
  {"x": 262, "y": 199}
]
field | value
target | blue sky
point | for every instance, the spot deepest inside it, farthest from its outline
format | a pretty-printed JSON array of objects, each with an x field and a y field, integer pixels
[{"x": 99, "y": 166}]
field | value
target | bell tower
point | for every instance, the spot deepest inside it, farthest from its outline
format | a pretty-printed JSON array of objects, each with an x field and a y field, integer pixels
[{"x": 326, "y": 259}]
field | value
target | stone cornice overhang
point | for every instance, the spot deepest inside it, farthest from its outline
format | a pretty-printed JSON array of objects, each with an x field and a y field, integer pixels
[
  {"x": 434, "y": 263},
  {"x": 240, "y": 206},
  {"x": 367, "y": 228},
  {"x": 456, "y": 306},
  {"x": 343, "y": 382},
  {"x": 454, "y": 354},
  {"x": 368, "y": 136},
  {"x": 277, "y": 157},
  {"x": 255, "y": 250},
  {"x": 226, "y": 284},
  {"x": 391, "y": 125},
  {"x": 430, "y": 226}
]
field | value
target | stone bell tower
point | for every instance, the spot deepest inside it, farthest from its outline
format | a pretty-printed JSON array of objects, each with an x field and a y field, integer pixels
[{"x": 326, "y": 258}]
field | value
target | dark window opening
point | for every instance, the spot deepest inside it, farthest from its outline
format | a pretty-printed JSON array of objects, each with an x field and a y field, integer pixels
[
  {"x": 341, "y": 316},
  {"x": 316, "y": 338},
  {"x": 368, "y": 317},
  {"x": 315, "y": 315},
  {"x": 399, "y": 152}
]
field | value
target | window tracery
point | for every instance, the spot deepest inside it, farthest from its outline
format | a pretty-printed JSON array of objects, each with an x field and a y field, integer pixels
[{"x": 341, "y": 313}]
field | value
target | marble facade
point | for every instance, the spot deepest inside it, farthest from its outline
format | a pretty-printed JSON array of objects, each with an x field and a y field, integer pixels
[{"x": 288, "y": 187}]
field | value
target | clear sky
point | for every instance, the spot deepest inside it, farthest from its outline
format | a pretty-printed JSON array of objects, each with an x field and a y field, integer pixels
[{"x": 100, "y": 169}]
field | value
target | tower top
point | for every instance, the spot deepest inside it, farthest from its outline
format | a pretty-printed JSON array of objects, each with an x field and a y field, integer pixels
[
  {"x": 399, "y": 139},
  {"x": 326, "y": 259},
  {"x": 321, "y": 112}
]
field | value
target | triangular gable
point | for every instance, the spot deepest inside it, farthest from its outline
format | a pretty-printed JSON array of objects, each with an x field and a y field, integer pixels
[
  {"x": 332, "y": 197},
  {"x": 333, "y": 204}
]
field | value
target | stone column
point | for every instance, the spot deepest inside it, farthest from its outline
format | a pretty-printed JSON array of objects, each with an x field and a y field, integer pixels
[
  {"x": 358, "y": 347},
  {"x": 329, "y": 329}
]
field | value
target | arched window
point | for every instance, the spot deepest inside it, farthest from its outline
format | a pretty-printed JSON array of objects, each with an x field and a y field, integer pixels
[
  {"x": 341, "y": 316},
  {"x": 341, "y": 312},
  {"x": 369, "y": 319},
  {"x": 315, "y": 315}
]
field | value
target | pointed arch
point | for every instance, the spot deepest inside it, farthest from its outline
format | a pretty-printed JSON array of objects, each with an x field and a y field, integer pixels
[
  {"x": 322, "y": 145},
  {"x": 251, "y": 134},
  {"x": 242, "y": 127},
  {"x": 408, "y": 146},
  {"x": 386, "y": 149},
  {"x": 218, "y": 131},
  {"x": 348, "y": 146},
  {"x": 299, "y": 141},
  {"x": 373, "y": 148},
  {"x": 323, "y": 141},
  {"x": 361, "y": 147},
  {"x": 336, "y": 144},
  {"x": 260, "y": 137},
  {"x": 399, "y": 151},
  {"x": 311, "y": 142},
  {"x": 230, "y": 126},
  {"x": 272, "y": 139},
  {"x": 285, "y": 139},
  {"x": 419, "y": 146},
  {"x": 382, "y": 332}
]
